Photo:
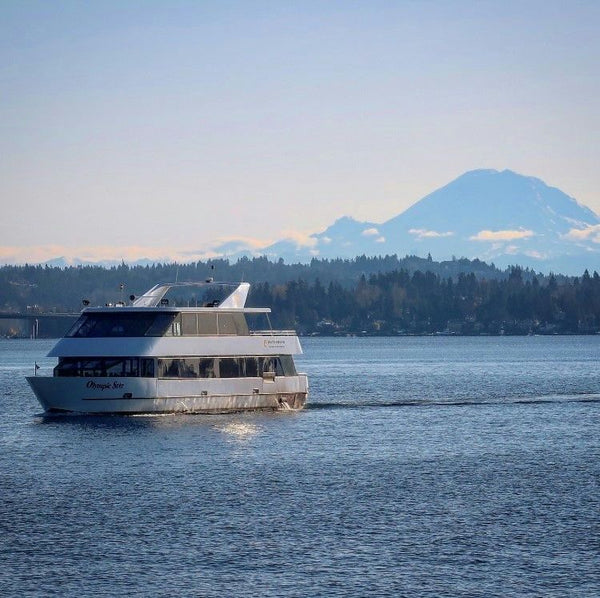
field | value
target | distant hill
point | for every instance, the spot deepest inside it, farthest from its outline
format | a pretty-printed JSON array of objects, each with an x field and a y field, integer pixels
[{"x": 500, "y": 217}]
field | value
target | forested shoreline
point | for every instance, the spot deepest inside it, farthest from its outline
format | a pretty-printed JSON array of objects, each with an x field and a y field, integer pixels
[
  {"x": 423, "y": 303},
  {"x": 370, "y": 296}
]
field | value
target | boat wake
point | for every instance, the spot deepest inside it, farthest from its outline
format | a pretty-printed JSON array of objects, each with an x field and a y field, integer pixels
[{"x": 551, "y": 399}]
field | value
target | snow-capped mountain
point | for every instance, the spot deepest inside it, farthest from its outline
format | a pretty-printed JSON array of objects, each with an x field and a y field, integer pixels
[{"x": 501, "y": 217}]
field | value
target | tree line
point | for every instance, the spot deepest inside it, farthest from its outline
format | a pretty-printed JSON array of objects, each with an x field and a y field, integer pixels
[
  {"x": 64, "y": 288},
  {"x": 385, "y": 295},
  {"x": 424, "y": 303}
]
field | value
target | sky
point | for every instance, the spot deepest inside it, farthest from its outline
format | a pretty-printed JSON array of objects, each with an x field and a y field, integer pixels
[{"x": 162, "y": 129}]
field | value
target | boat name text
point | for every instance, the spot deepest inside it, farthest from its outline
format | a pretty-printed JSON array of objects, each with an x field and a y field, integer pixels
[{"x": 104, "y": 385}]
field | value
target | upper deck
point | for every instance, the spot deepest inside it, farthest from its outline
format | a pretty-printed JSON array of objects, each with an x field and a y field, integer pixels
[
  {"x": 151, "y": 315},
  {"x": 145, "y": 328}
]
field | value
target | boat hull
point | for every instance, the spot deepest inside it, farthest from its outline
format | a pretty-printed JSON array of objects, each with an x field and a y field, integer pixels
[{"x": 154, "y": 395}]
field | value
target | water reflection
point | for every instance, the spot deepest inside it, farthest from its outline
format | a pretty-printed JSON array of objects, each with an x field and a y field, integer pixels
[
  {"x": 235, "y": 427},
  {"x": 239, "y": 431}
]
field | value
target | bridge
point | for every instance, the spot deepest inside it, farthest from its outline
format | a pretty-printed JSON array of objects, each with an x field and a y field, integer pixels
[{"x": 33, "y": 318}]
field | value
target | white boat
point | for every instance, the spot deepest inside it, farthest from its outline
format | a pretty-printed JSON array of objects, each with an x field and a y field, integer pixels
[{"x": 153, "y": 357}]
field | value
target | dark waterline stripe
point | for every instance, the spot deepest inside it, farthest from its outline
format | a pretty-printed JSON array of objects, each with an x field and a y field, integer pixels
[{"x": 428, "y": 403}]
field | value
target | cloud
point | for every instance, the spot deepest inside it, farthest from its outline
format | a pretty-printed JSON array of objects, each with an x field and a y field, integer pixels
[
  {"x": 501, "y": 235},
  {"x": 244, "y": 242},
  {"x": 301, "y": 239},
  {"x": 536, "y": 254},
  {"x": 326, "y": 240},
  {"x": 222, "y": 247},
  {"x": 373, "y": 232},
  {"x": 74, "y": 255},
  {"x": 422, "y": 233},
  {"x": 515, "y": 250},
  {"x": 590, "y": 233},
  {"x": 370, "y": 232}
]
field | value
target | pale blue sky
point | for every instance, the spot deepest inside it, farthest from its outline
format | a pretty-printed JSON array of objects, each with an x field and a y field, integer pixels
[{"x": 128, "y": 126}]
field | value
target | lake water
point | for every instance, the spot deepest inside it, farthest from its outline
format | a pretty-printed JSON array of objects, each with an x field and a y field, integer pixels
[{"x": 424, "y": 466}]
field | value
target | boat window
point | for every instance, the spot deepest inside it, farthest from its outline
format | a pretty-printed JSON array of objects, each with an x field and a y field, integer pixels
[
  {"x": 168, "y": 368},
  {"x": 229, "y": 367},
  {"x": 103, "y": 367},
  {"x": 114, "y": 367},
  {"x": 233, "y": 324},
  {"x": 285, "y": 366},
  {"x": 81, "y": 324},
  {"x": 226, "y": 324},
  {"x": 92, "y": 367},
  {"x": 104, "y": 324},
  {"x": 251, "y": 367},
  {"x": 187, "y": 368},
  {"x": 189, "y": 324},
  {"x": 192, "y": 367},
  {"x": 207, "y": 324},
  {"x": 280, "y": 365},
  {"x": 120, "y": 366},
  {"x": 67, "y": 366},
  {"x": 147, "y": 368},
  {"x": 131, "y": 366},
  {"x": 241, "y": 326},
  {"x": 161, "y": 324},
  {"x": 163, "y": 367},
  {"x": 266, "y": 364},
  {"x": 256, "y": 321},
  {"x": 225, "y": 367},
  {"x": 193, "y": 324},
  {"x": 206, "y": 368}
]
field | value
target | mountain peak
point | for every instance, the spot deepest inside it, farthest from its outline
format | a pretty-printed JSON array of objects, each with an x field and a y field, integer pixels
[
  {"x": 343, "y": 226},
  {"x": 477, "y": 172},
  {"x": 493, "y": 173},
  {"x": 494, "y": 215},
  {"x": 345, "y": 220}
]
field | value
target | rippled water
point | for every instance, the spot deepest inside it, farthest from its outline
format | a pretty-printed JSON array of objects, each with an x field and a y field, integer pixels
[{"x": 421, "y": 467}]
